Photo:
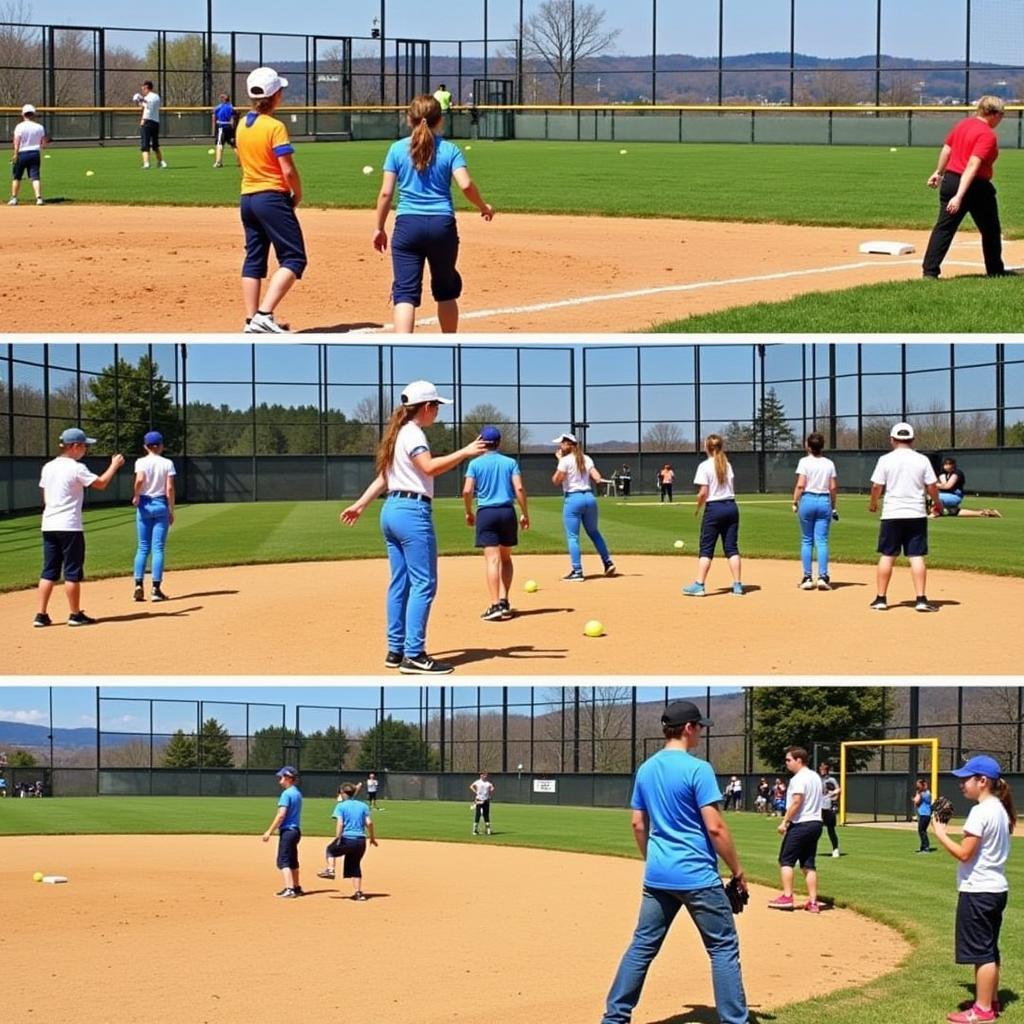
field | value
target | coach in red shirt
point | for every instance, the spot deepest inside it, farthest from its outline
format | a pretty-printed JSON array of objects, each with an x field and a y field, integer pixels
[{"x": 964, "y": 180}]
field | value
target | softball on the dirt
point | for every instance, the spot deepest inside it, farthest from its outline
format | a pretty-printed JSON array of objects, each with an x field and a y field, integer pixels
[
  {"x": 367, "y": 169},
  {"x": 593, "y": 628},
  {"x": 531, "y": 587},
  {"x": 679, "y": 544},
  {"x": 37, "y": 877}
]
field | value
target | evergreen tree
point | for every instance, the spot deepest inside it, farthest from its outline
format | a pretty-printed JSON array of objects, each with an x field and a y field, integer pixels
[
  {"x": 215, "y": 746},
  {"x": 771, "y": 418},
  {"x": 396, "y": 746},
  {"x": 267, "y": 746},
  {"x": 325, "y": 750},
  {"x": 22, "y": 759},
  {"x": 181, "y": 751}
]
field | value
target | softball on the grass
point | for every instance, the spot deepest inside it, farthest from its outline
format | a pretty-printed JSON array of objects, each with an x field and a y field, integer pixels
[
  {"x": 89, "y": 174},
  {"x": 37, "y": 877},
  {"x": 211, "y": 151},
  {"x": 623, "y": 152},
  {"x": 367, "y": 169},
  {"x": 593, "y": 628},
  {"x": 892, "y": 149},
  {"x": 679, "y": 545},
  {"x": 531, "y": 586}
]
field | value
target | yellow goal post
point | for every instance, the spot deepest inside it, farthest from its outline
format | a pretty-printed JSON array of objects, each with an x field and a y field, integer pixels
[{"x": 932, "y": 743}]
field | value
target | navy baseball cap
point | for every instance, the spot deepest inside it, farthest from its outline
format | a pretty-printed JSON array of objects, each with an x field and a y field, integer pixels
[
  {"x": 288, "y": 771},
  {"x": 75, "y": 435},
  {"x": 153, "y": 437},
  {"x": 982, "y": 764},
  {"x": 681, "y": 712},
  {"x": 492, "y": 435}
]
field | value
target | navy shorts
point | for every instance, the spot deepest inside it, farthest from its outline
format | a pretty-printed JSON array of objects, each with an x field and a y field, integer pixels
[
  {"x": 903, "y": 536},
  {"x": 979, "y": 916},
  {"x": 288, "y": 848},
  {"x": 721, "y": 519},
  {"x": 269, "y": 220},
  {"x": 497, "y": 526},
  {"x": 424, "y": 239},
  {"x": 352, "y": 850},
  {"x": 63, "y": 550},
  {"x": 149, "y": 135},
  {"x": 26, "y": 163},
  {"x": 800, "y": 845},
  {"x": 225, "y": 135}
]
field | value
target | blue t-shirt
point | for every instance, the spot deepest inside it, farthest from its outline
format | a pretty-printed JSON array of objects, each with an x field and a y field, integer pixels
[
  {"x": 428, "y": 191},
  {"x": 925, "y": 805},
  {"x": 224, "y": 113},
  {"x": 353, "y": 814},
  {"x": 291, "y": 799},
  {"x": 672, "y": 787},
  {"x": 492, "y": 474}
]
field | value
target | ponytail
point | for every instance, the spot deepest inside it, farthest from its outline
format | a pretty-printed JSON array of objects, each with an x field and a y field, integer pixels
[
  {"x": 577, "y": 454},
  {"x": 1001, "y": 789},
  {"x": 713, "y": 446},
  {"x": 424, "y": 116},
  {"x": 386, "y": 449}
]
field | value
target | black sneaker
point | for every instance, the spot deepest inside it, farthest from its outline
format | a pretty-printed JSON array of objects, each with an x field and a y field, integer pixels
[
  {"x": 80, "y": 619},
  {"x": 879, "y": 605},
  {"x": 493, "y": 613},
  {"x": 287, "y": 893},
  {"x": 824, "y": 583},
  {"x": 157, "y": 595},
  {"x": 424, "y": 665},
  {"x": 576, "y": 576},
  {"x": 609, "y": 568},
  {"x": 137, "y": 594},
  {"x": 506, "y": 608},
  {"x": 393, "y": 659},
  {"x": 299, "y": 891},
  {"x": 41, "y": 620},
  {"x": 922, "y": 605},
  {"x": 326, "y": 873},
  {"x": 359, "y": 897},
  {"x": 807, "y": 583}
]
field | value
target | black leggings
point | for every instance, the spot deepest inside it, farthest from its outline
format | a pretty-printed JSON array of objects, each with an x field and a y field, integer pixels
[
  {"x": 666, "y": 492},
  {"x": 923, "y": 821},
  {"x": 828, "y": 819}
]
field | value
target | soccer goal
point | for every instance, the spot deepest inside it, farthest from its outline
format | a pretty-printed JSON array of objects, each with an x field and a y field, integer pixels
[{"x": 932, "y": 744}]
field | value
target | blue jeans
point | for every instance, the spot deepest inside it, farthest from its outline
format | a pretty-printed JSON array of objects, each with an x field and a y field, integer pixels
[
  {"x": 152, "y": 520},
  {"x": 580, "y": 509},
  {"x": 709, "y": 909},
  {"x": 412, "y": 553},
  {"x": 815, "y": 512}
]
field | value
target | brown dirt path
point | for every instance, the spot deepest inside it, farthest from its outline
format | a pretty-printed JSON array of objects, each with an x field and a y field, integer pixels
[
  {"x": 160, "y": 930},
  {"x": 327, "y": 618},
  {"x": 124, "y": 269}
]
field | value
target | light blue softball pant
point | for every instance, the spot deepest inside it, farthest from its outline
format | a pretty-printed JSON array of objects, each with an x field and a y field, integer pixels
[
  {"x": 580, "y": 509},
  {"x": 815, "y": 513},
  {"x": 412, "y": 553},
  {"x": 152, "y": 521}
]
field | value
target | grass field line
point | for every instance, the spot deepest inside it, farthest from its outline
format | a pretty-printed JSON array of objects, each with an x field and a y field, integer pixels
[{"x": 693, "y": 286}]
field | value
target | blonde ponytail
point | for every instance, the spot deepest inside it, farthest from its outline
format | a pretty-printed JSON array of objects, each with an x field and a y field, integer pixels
[{"x": 713, "y": 446}]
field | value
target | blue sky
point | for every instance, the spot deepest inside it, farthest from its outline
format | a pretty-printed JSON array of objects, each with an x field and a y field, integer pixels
[
  {"x": 127, "y": 708},
  {"x": 920, "y": 29}
]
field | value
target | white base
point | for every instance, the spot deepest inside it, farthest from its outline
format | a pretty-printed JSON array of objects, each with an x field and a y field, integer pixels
[
  {"x": 887, "y": 248},
  {"x": 54, "y": 879}
]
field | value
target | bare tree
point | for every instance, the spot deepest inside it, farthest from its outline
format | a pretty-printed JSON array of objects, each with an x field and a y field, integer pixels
[
  {"x": 665, "y": 437},
  {"x": 132, "y": 754},
  {"x": 514, "y": 437},
  {"x": 559, "y": 35},
  {"x": 20, "y": 55}
]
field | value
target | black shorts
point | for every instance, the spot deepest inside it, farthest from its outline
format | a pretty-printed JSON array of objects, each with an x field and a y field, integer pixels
[
  {"x": 352, "y": 850},
  {"x": 800, "y": 845},
  {"x": 149, "y": 135},
  {"x": 63, "y": 551},
  {"x": 979, "y": 916},
  {"x": 226, "y": 135},
  {"x": 26, "y": 163},
  {"x": 903, "y": 536},
  {"x": 497, "y": 526},
  {"x": 288, "y": 848}
]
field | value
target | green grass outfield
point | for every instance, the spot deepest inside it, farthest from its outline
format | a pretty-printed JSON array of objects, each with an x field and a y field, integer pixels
[
  {"x": 880, "y": 876},
  {"x": 277, "y": 531}
]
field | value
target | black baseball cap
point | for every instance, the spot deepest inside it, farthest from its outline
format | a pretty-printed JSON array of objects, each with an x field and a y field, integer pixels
[{"x": 681, "y": 712}]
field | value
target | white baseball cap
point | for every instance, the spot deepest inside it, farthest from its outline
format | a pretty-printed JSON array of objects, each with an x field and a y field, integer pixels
[
  {"x": 420, "y": 391},
  {"x": 28, "y": 109},
  {"x": 564, "y": 437},
  {"x": 264, "y": 82},
  {"x": 902, "y": 432}
]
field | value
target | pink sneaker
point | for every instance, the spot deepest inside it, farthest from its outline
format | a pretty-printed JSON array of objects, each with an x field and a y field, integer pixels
[
  {"x": 781, "y": 903},
  {"x": 973, "y": 1015},
  {"x": 812, "y": 907}
]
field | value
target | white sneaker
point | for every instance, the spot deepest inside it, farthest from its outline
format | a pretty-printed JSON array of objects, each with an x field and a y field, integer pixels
[
  {"x": 163, "y": 163},
  {"x": 836, "y": 853},
  {"x": 12, "y": 202},
  {"x": 264, "y": 323}
]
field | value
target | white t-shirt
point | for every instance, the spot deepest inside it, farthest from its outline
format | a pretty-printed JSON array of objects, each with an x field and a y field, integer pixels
[
  {"x": 905, "y": 475},
  {"x": 818, "y": 471},
  {"x": 371, "y": 785},
  {"x": 29, "y": 135},
  {"x": 988, "y": 821},
  {"x": 403, "y": 475},
  {"x": 483, "y": 788},
  {"x": 157, "y": 470},
  {"x": 63, "y": 481},
  {"x": 706, "y": 477},
  {"x": 829, "y": 787},
  {"x": 808, "y": 784},
  {"x": 574, "y": 480},
  {"x": 151, "y": 107}
]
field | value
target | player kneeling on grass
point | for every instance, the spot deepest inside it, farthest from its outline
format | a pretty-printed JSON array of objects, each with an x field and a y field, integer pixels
[
  {"x": 353, "y": 827},
  {"x": 271, "y": 191},
  {"x": 981, "y": 879},
  {"x": 497, "y": 482}
]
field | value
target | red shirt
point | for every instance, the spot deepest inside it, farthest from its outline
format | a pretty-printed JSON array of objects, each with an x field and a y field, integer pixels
[{"x": 972, "y": 137}]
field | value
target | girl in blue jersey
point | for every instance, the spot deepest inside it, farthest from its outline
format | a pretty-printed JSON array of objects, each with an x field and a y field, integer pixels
[
  {"x": 353, "y": 826},
  {"x": 423, "y": 167}
]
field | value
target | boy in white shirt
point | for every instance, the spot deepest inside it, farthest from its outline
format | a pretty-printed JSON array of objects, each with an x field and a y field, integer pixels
[
  {"x": 800, "y": 829},
  {"x": 29, "y": 139},
  {"x": 63, "y": 482}
]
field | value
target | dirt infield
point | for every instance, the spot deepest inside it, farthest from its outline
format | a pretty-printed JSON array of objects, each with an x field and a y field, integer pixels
[
  {"x": 175, "y": 270},
  {"x": 176, "y": 928},
  {"x": 327, "y": 618}
]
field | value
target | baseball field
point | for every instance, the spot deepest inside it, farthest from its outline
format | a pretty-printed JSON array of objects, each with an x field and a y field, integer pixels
[
  {"x": 586, "y": 239},
  {"x": 317, "y": 591},
  {"x": 163, "y": 892}
]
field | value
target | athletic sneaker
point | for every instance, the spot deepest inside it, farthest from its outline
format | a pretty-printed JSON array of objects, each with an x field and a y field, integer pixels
[
  {"x": 922, "y": 605},
  {"x": 393, "y": 659},
  {"x": 824, "y": 583},
  {"x": 476, "y": 831},
  {"x": 39, "y": 202},
  {"x": 879, "y": 605},
  {"x": 506, "y": 608},
  {"x": 163, "y": 164},
  {"x": 80, "y": 619},
  {"x": 807, "y": 583},
  {"x": 836, "y": 853},
  {"x": 12, "y": 202},
  {"x": 737, "y": 589},
  {"x": 973, "y": 1015},
  {"x": 576, "y": 576},
  {"x": 137, "y": 594},
  {"x": 488, "y": 829},
  {"x": 493, "y": 613},
  {"x": 264, "y": 323},
  {"x": 609, "y": 568},
  {"x": 157, "y": 595},
  {"x": 41, "y": 620},
  {"x": 326, "y": 873},
  {"x": 218, "y": 165},
  {"x": 287, "y": 894},
  {"x": 781, "y": 903},
  {"x": 812, "y": 907},
  {"x": 694, "y": 590},
  {"x": 299, "y": 891},
  {"x": 359, "y": 896},
  {"x": 424, "y": 665}
]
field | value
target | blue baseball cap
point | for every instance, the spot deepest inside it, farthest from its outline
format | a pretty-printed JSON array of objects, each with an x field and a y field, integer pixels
[
  {"x": 492, "y": 435},
  {"x": 982, "y": 764},
  {"x": 75, "y": 435},
  {"x": 288, "y": 771},
  {"x": 153, "y": 437}
]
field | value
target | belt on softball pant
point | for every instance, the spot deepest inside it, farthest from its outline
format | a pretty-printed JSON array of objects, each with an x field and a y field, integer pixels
[{"x": 414, "y": 495}]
